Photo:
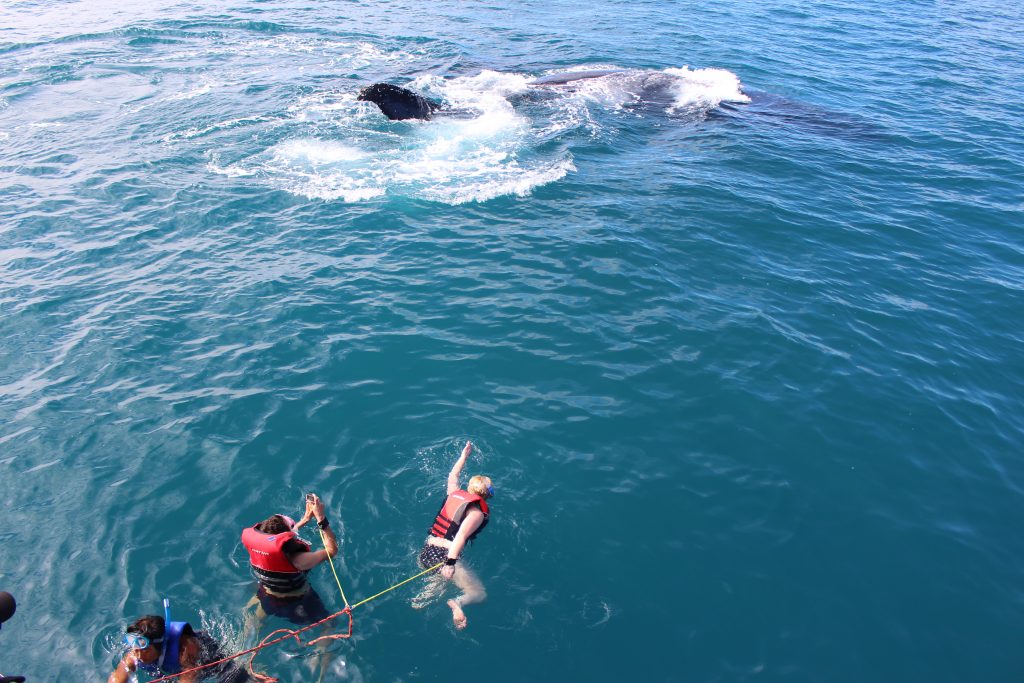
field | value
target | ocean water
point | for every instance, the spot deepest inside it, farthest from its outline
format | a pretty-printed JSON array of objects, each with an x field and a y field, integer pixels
[{"x": 738, "y": 331}]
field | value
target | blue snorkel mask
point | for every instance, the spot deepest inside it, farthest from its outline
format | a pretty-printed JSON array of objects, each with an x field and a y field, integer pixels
[
  {"x": 137, "y": 641},
  {"x": 490, "y": 491}
]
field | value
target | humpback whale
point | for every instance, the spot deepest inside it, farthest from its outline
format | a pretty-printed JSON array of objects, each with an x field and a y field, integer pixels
[{"x": 398, "y": 103}]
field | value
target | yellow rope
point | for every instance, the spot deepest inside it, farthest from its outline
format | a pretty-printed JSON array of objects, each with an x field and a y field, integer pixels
[
  {"x": 425, "y": 571},
  {"x": 333, "y": 570},
  {"x": 372, "y": 597}
]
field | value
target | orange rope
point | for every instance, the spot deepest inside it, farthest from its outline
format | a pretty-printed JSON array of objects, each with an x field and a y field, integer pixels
[{"x": 289, "y": 633}]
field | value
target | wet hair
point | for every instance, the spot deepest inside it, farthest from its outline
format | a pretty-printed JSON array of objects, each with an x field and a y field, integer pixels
[
  {"x": 150, "y": 626},
  {"x": 478, "y": 485},
  {"x": 153, "y": 628},
  {"x": 274, "y": 524}
]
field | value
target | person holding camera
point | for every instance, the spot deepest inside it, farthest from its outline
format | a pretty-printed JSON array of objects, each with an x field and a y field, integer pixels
[{"x": 280, "y": 560}]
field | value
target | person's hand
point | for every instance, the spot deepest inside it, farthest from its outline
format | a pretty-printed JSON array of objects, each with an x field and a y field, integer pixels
[
  {"x": 467, "y": 449},
  {"x": 308, "y": 514},
  {"x": 315, "y": 507},
  {"x": 448, "y": 571}
]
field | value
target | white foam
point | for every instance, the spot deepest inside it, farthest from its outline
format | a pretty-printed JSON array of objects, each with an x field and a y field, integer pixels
[
  {"x": 216, "y": 127},
  {"x": 706, "y": 88},
  {"x": 613, "y": 91},
  {"x": 486, "y": 84},
  {"x": 231, "y": 170},
  {"x": 318, "y": 169},
  {"x": 517, "y": 181},
  {"x": 332, "y": 187},
  {"x": 486, "y": 93},
  {"x": 315, "y": 152},
  {"x": 204, "y": 87}
]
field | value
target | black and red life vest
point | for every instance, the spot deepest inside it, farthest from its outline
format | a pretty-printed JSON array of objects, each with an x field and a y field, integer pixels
[
  {"x": 270, "y": 563},
  {"x": 454, "y": 510}
]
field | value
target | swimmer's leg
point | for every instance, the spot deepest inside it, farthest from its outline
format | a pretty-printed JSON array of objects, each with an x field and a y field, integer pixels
[
  {"x": 252, "y": 619},
  {"x": 312, "y": 610},
  {"x": 325, "y": 656},
  {"x": 472, "y": 591}
]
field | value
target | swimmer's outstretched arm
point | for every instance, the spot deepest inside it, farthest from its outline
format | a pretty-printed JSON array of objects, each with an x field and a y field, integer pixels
[{"x": 453, "y": 476}]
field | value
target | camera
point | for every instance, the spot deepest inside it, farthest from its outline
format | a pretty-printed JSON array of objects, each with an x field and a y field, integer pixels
[{"x": 7, "y": 609}]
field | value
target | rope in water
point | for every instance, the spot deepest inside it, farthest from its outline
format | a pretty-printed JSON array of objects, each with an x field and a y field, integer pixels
[
  {"x": 264, "y": 644},
  {"x": 333, "y": 571},
  {"x": 294, "y": 633}
]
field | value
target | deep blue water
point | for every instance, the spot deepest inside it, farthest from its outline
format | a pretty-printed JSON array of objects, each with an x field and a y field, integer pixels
[{"x": 738, "y": 332}]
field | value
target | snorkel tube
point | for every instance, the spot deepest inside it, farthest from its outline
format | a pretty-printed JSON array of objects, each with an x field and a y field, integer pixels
[
  {"x": 167, "y": 631},
  {"x": 170, "y": 655}
]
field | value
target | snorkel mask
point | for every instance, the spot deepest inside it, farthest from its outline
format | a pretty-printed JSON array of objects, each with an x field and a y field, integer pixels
[{"x": 137, "y": 641}]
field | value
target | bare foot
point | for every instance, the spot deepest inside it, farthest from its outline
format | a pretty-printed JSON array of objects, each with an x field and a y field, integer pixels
[{"x": 458, "y": 616}]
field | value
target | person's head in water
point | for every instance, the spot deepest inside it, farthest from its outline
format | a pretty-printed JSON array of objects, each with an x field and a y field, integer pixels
[
  {"x": 149, "y": 631},
  {"x": 480, "y": 486},
  {"x": 275, "y": 524},
  {"x": 145, "y": 636},
  {"x": 150, "y": 626}
]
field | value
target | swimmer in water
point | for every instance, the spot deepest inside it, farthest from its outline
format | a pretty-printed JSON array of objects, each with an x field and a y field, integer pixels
[
  {"x": 462, "y": 517},
  {"x": 158, "y": 650}
]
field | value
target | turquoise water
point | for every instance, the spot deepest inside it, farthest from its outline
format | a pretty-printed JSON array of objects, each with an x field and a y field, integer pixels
[{"x": 738, "y": 333}]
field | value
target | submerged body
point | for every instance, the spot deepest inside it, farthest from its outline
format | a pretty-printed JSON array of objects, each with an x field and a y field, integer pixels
[{"x": 571, "y": 76}]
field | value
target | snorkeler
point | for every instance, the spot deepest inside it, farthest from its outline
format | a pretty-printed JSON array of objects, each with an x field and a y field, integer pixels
[
  {"x": 463, "y": 516},
  {"x": 156, "y": 649}
]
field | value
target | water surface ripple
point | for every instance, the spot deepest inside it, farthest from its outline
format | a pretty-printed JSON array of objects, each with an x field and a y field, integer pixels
[{"x": 737, "y": 332}]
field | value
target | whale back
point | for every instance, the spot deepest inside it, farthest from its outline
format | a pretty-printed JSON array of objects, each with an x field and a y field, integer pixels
[{"x": 571, "y": 76}]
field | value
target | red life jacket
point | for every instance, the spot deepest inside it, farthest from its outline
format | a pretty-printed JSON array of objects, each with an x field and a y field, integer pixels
[
  {"x": 270, "y": 564},
  {"x": 450, "y": 517}
]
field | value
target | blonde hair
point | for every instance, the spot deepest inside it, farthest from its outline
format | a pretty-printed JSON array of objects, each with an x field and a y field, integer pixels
[{"x": 478, "y": 485}]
